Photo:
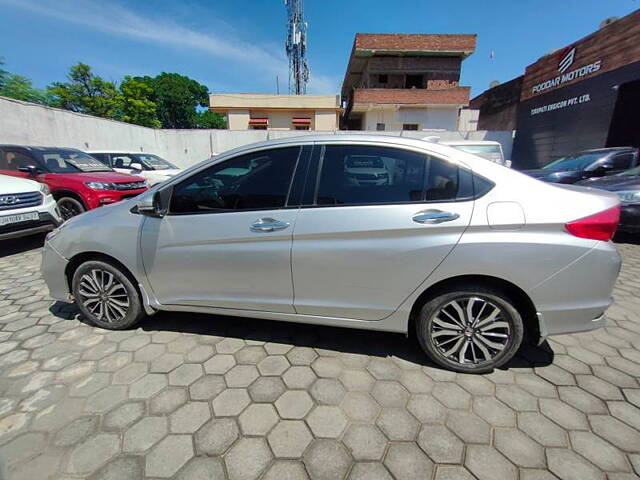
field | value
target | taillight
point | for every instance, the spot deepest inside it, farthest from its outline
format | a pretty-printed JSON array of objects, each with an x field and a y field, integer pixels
[{"x": 601, "y": 226}]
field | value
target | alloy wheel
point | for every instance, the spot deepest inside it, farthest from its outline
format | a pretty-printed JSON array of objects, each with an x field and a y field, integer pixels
[
  {"x": 470, "y": 330},
  {"x": 69, "y": 208},
  {"x": 103, "y": 295}
]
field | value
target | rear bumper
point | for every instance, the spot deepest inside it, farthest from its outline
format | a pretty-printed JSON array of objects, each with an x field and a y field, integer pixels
[
  {"x": 576, "y": 298},
  {"x": 629, "y": 219}
]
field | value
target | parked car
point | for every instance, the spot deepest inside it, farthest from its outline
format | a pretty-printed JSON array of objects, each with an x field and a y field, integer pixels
[
  {"x": 147, "y": 165},
  {"x": 483, "y": 148},
  {"x": 587, "y": 164},
  {"x": 26, "y": 208},
  {"x": 367, "y": 170},
  {"x": 466, "y": 254},
  {"x": 627, "y": 186},
  {"x": 77, "y": 181}
]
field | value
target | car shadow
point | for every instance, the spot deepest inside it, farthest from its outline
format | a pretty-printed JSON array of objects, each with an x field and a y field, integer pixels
[
  {"x": 340, "y": 340},
  {"x": 21, "y": 245},
  {"x": 630, "y": 238}
]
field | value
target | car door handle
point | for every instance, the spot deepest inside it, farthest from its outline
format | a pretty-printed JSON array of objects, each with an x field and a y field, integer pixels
[
  {"x": 434, "y": 216},
  {"x": 268, "y": 225}
]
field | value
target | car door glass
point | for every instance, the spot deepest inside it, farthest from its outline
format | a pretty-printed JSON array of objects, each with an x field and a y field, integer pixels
[
  {"x": 121, "y": 161},
  {"x": 15, "y": 160},
  {"x": 619, "y": 162},
  {"x": 254, "y": 181}
]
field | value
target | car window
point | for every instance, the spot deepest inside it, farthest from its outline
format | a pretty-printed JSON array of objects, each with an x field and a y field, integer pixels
[
  {"x": 621, "y": 161},
  {"x": 121, "y": 161},
  {"x": 366, "y": 175},
  {"x": 12, "y": 160},
  {"x": 254, "y": 181}
]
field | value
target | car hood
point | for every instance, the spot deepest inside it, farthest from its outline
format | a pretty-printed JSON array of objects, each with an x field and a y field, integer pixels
[
  {"x": 613, "y": 183},
  {"x": 112, "y": 177},
  {"x": 10, "y": 185}
]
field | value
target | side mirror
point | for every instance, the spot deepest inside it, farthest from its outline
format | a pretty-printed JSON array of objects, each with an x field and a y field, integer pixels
[
  {"x": 156, "y": 205},
  {"x": 136, "y": 166},
  {"x": 601, "y": 171},
  {"x": 30, "y": 169}
]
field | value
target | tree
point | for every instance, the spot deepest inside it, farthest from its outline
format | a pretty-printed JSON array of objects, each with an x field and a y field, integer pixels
[
  {"x": 177, "y": 98},
  {"x": 137, "y": 104},
  {"x": 20, "y": 88},
  {"x": 209, "y": 119},
  {"x": 3, "y": 74},
  {"x": 86, "y": 93}
]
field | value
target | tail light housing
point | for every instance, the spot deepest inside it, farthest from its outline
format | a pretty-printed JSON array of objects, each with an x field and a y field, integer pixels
[{"x": 601, "y": 226}]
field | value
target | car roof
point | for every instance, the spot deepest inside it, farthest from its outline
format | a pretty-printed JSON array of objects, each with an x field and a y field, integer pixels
[
  {"x": 470, "y": 142},
  {"x": 607, "y": 150},
  {"x": 39, "y": 147},
  {"x": 125, "y": 152}
]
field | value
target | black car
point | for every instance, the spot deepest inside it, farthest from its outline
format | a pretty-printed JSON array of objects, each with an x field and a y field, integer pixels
[
  {"x": 627, "y": 186},
  {"x": 587, "y": 164}
]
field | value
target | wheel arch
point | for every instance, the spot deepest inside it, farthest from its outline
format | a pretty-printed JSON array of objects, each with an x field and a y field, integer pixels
[
  {"x": 80, "y": 258},
  {"x": 61, "y": 193},
  {"x": 521, "y": 300}
]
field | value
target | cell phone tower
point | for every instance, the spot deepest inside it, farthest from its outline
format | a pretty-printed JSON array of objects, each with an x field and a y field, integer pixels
[{"x": 296, "y": 46}]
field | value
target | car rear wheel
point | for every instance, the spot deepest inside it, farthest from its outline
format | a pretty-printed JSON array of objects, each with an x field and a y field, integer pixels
[
  {"x": 470, "y": 329},
  {"x": 106, "y": 296},
  {"x": 70, "y": 207}
]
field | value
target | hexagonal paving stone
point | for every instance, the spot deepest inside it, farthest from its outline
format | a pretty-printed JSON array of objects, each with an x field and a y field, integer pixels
[
  {"x": 469, "y": 427},
  {"x": 494, "y": 411},
  {"x": 286, "y": 470},
  {"x": 369, "y": 471},
  {"x": 21, "y": 448},
  {"x": 487, "y": 463},
  {"x": 616, "y": 432},
  {"x": 357, "y": 380},
  {"x": 247, "y": 459},
  {"x": 92, "y": 453},
  {"x": 599, "y": 452},
  {"x": 397, "y": 424},
  {"x": 519, "y": 448},
  {"x": 273, "y": 365},
  {"x": 250, "y": 355},
  {"x": 130, "y": 373},
  {"x": 289, "y": 439},
  {"x": 215, "y": 437},
  {"x": 440, "y": 444},
  {"x": 122, "y": 467},
  {"x": 241, "y": 376},
  {"x": 327, "y": 367},
  {"x": 365, "y": 442},
  {"x": 563, "y": 414},
  {"x": 148, "y": 385},
  {"x": 189, "y": 417},
  {"x": 416, "y": 381},
  {"x": 169, "y": 456},
  {"x": 107, "y": 398},
  {"x": 390, "y": 394},
  {"x": 567, "y": 464},
  {"x": 541, "y": 429},
  {"x": 123, "y": 416},
  {"x": 301, "y": 356},
  {"x": 76, "y": 431},
  {"x": 407, "y": 461},
  {"x": 167, "y": 401},
  {"x": 383, "y": 369},
  {"x": 327, "y": 391},
  {"x": 202, "y": 468},
  {"x": 219, "y": 364},
  {"x": 200, "y": 354},
  {"x": 360, "y": 407},
  {"x": 581, "y": 400},
  {"x": 327, "y": 460},
  {"x": 452, "y": 395},
  {"x": 299, "y": 377},
  {"x": 426, "y": 409},
  {"x": 258, "y": 419},
  {"x": 294, "y": 404},
  {"x": 327, "y": 421},
  {"x": 144, "y": 434},
  {"x": 185, "y": 374},
  {"x": 229, "y": 346},
  {"x": 231, "y": 402},
  {"x": 207, "y": 387}
]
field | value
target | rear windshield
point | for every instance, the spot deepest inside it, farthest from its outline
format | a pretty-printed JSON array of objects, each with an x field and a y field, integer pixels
[
  {"x": 155, "y": 162},
  {"x": 490, "y": 152},
  {"x": 69, "y": 161},
  {"x": 576, "y": 162}
]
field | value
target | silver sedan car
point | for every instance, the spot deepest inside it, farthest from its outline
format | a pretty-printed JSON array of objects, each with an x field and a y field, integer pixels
[{"x": 468, "y": 256}]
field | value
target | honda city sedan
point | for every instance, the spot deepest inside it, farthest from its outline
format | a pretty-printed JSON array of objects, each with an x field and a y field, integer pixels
[{"x": 469, "y": 256}]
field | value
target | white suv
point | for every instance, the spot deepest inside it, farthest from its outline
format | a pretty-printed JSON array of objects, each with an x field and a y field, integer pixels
[{"x": 26, "y": 208}]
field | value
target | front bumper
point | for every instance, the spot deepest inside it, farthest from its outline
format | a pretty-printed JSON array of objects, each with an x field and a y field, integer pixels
[
  {"x": 98, "y": 198},
  {"x": 53, "y": 272},
  {"x": 45, "y": 223}
]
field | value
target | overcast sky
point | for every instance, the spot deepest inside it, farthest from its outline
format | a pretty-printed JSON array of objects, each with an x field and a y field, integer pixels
[{"x": 238, "y": 46}]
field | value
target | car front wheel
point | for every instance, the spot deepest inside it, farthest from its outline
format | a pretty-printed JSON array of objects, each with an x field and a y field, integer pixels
[
  {"x": 470, "y": 329},
  {"x": 106, "y": 296},
  {"x": 70, "y": 207}
]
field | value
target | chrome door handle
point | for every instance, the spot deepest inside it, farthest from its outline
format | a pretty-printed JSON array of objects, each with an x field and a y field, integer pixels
[
  {"x": 434, "y": 216},
  {"x": 268, "y": 225}
]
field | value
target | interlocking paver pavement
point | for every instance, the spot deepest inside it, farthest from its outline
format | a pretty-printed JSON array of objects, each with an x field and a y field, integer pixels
[{"x": 189, "y": 396}]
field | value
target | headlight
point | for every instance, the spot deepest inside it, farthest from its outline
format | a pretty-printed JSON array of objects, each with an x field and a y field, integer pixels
[
  {"x": 629, "y": 196},
  {"x": 100, "y": 185},
  {"x": 44, "y": 188}
]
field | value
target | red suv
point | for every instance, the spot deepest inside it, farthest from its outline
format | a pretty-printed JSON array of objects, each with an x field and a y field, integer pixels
[{"x": 76, "y": 180}]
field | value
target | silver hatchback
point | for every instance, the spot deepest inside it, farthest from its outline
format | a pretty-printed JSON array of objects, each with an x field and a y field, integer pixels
[{"x": 469, "y": 256}]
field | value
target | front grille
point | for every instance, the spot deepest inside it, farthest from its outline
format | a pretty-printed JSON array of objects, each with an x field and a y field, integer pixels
[
  {"x": 129, "y": 186},
  {"x": 20, "y": 200}
]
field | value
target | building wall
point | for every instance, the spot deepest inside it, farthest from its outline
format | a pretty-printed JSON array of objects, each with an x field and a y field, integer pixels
[
  {"x": 25, "y": 123},
  {"x": 438, "y": 118},
  {"x": 238, "y": 119},
  {"x": 325, "y": 121},
  {"x": 282, "y": 119}
]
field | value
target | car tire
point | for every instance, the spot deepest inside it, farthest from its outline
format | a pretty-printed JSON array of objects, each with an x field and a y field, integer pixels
[
  {"x": 478, "y": 345},
  {"x": 70, "y": 207},
  {"x": 106, "y": 296}
]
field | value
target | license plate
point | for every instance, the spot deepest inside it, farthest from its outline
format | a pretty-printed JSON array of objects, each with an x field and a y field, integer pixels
[{"x": 21, "y": 217}]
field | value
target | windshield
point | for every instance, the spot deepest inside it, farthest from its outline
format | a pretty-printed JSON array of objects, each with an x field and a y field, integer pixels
[
  {"x": 490, "y": 152},
  {"x": 364, "y": 162},
  {"x": 155, "y": 162},
  {"x": 634, "y": 172},
  {"x": 69, "y": 161},
  {"x": 576, "y": 162}
]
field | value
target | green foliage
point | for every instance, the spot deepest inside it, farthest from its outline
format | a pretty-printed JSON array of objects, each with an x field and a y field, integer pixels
[
  {"x": 86, "y": 93},
  {"x": 3, "y": 74},
  {"x": 177, "y": 97},
  {"x": 137, "y": 104},
  {"x": 20, "y": 88},
  {"x": 209, "y": 119}
]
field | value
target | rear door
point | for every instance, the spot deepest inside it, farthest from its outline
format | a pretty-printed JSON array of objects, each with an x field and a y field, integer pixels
[
  {"x": 12, "y": 159},
  {"x": 362, "y": 245}
]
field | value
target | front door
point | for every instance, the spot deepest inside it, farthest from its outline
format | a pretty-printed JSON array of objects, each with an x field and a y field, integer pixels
[
  {"x": 381, "y": 220},
  {"x": 226, "y": 241}
]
